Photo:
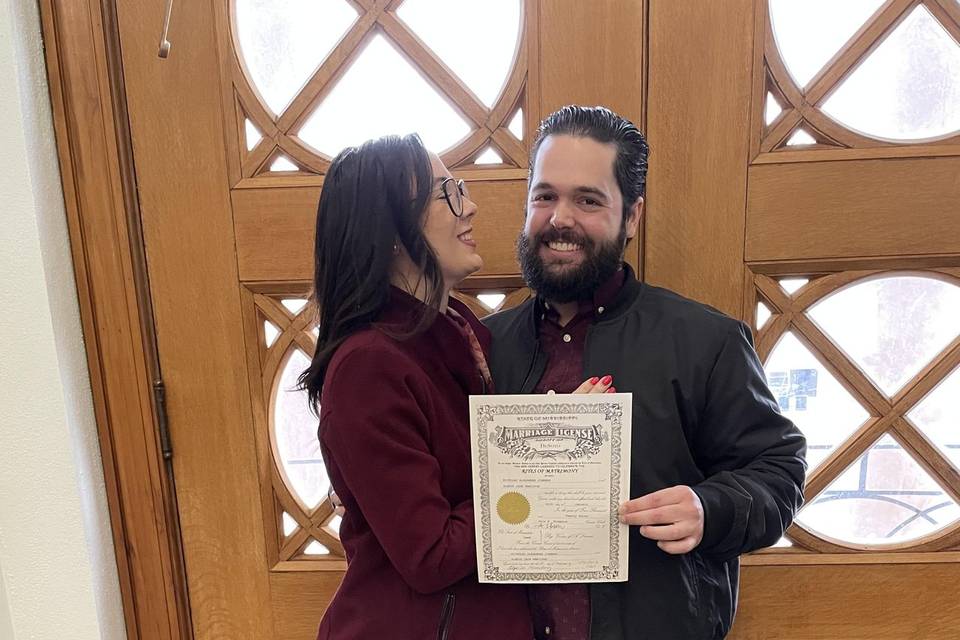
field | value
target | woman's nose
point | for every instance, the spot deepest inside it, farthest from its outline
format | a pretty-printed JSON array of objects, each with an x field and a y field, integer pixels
[{"x": 470, "y": 208}]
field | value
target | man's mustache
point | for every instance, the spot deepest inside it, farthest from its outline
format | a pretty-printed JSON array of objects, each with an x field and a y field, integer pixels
[{"x": 562, "y": 235}]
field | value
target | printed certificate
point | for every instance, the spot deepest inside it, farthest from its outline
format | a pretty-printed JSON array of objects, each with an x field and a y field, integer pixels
[{"x": 550, "y": 473}]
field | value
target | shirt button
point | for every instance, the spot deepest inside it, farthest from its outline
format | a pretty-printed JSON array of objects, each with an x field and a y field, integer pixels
[
  {"x": 566, "y": 337},
  {"x": 550, "y": 392},
  {"x": 599, "y": 309},
  {"x": 546, "y": 631}
]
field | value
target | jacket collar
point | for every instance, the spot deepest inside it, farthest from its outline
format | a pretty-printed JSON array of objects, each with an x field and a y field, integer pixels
[{"x": 442, "y": 340}]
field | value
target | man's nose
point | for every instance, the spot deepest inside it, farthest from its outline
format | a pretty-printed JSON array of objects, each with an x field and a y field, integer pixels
[{"x": 562, "y": 217}]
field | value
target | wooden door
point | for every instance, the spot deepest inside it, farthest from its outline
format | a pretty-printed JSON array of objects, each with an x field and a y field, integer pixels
[
  {"x": 805, "y": 177},
  {"x": 231, "y": 136}
]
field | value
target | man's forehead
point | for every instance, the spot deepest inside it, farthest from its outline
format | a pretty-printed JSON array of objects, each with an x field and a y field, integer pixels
[{"x": 573, "y": 161}]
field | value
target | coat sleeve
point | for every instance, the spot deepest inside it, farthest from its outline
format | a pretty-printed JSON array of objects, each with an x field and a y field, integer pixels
[
  {"x": 752, "y": 456},
  {"x": 376, "y": 434}
]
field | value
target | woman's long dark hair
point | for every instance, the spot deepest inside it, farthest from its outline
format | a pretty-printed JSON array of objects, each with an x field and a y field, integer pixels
[{"x": 374, "y": 198}]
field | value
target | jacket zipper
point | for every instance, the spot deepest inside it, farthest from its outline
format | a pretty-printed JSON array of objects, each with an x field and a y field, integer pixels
[{"x": 446, "y": 616}]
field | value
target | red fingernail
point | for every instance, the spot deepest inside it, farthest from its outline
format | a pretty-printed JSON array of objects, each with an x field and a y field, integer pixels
[
  {"x": 594, "y": 380},
  {"x": 606, "y": 379},
  {"x": 612, "y": 390}
]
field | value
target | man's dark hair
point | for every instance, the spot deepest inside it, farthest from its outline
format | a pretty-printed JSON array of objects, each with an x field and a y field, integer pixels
[{"x": 605, "y": 126}]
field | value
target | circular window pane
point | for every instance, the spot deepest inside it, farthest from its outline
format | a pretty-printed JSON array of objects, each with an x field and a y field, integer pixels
[
  {"x": 283, "y": 43},
  {"x": 295, "y": 436},
  {"x": 480, "y": 55},
  {"x": 885, "y": 497},
  {"x": 908, "y": 88},
  {"x": 812, "y": 398},
  {"x": 938, "y": 417},
  {"x": 809, "y": 33},
  {"x": 891, "y": 327},
  {"x": 381, "y": 93}
]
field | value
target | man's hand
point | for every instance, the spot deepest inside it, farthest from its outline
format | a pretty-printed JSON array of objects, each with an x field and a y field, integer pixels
[{"x": 673, "y": 517}]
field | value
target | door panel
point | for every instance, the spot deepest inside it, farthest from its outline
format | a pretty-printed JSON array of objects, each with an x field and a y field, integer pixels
[
  {"x": 698, "y": 103},
  {"x": 889, "y": 592},
  {"x": 853, "y": 208}
]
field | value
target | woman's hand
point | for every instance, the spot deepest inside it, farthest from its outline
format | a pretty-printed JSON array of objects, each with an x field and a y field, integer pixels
[
  {"x": 335, "y": 501},
  {"x": 597, "y": 385}
]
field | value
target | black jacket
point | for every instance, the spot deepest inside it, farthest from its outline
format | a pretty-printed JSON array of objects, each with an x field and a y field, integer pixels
[{"x": 702, "y": 416}]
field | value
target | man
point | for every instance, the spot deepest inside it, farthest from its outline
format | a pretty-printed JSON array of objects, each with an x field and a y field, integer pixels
[{"x": 716, "y": 470}]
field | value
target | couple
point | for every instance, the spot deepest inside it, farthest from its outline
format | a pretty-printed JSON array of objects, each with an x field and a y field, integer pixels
[{"x": 716, "y": 470}]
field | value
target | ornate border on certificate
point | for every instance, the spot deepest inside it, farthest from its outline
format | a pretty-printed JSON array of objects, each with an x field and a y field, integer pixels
[{"x": 613, "y": 412}]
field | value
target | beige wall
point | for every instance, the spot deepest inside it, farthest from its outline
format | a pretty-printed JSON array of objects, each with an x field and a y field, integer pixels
[
  {"x": 6, "y": 626},
  {"x": 58, "y": 576}
]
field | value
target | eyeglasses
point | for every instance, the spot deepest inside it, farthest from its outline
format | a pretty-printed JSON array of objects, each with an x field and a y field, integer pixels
[{"x": 454, "y": 191}]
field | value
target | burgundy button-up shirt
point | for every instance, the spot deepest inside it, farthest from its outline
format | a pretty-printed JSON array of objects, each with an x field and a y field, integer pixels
[{"x": 562, "y": 611}]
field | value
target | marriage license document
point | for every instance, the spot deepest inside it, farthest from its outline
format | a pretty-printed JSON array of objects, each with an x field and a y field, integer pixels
[{"x": 550, "y": 473}]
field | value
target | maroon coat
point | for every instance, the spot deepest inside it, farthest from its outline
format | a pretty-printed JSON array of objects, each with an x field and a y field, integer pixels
[{"x": 395, "y": 437}]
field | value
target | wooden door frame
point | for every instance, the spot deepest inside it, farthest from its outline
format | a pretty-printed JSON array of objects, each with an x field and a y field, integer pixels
[{"x": 96, "y": 164}]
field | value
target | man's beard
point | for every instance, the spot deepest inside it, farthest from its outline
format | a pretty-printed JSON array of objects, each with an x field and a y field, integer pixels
[{"x": 569, "y": 283}]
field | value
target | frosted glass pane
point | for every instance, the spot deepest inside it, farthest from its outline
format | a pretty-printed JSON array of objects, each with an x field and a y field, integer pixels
[
  {"x": 382, "y": 94},
  {"x": 884, "y": 497},
  {"x": 809, "y": 395},
  {"x": 333, "y": 524},
  {"x": 891, "y": 327},
  {"x": 763, "y": 314},
  {"x": 316, "y": 549},
  {"x": 908, "y": 88},
  {"x": 270, "y": 333},
  {"x": 792, "y": 285},
  {"x": 516, "y": 124},
  {"x": 489, "y": 157},
  {"x": 808, "y": 33},
  {"x": 772, "y": 110},
  {"x": 252, "y": 134},
  {"x": 476, "y": 40},
  {"x": 283, "y": 43},
  {"x": 289, "y": 524},
  {"x": 294, "y": 305},
  {"x": 282, "y": 164},
  {"x": 938, "y": 416},
  {"x": 491, "y": 300},
  {"x": 295, "y": 435},
  {"x": 800, "y": 137}
]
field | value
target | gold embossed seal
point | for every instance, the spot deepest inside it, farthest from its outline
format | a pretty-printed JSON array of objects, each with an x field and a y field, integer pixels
[{"x": 513, "y": 507}]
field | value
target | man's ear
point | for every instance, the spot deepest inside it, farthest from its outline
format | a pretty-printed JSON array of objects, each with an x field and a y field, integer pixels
[{"x": 634, "y": 215}]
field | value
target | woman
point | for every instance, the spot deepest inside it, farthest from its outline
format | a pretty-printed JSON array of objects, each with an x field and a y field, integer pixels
[{"x": 396, "y": 360}]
